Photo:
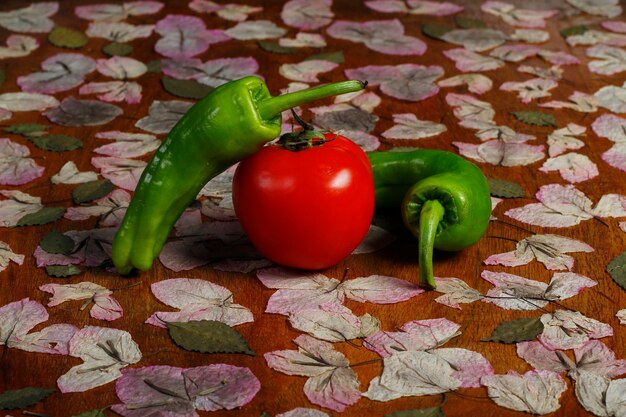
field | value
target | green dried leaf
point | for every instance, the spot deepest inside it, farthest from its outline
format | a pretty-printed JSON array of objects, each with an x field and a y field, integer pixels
[
  {"x": 535, "y": 118},
  {"x": 265, "y": 414},
  {"x": 92, "y": 413},
  {"x": 467, "y": 23},
  {"x": 154, "y": 66},
  {"x": 434, "y": 31},
  {"x": 56, "y": 143},
  {"x": 57, "y": 242},
  {"x": 65, "y": 37},
  {"x": 574, "y": 30},
  {"x": 117, "y": 49},
  {"x": 276, "y": 48},
  {"x": 505, "y": 189},
  {"x": 24, "y": 397},
  {"x": 208, "y": 336},
  {"x": 519, "y": 330},
  {"x": 91, "y": 190},
  {"x": 43, "y": 216},
  {"x": 337, "y": 57},
  {"x": 62, "y": 271},
  {"x": 617, "y": 269},
  {"x": 185, "y": 88},
  {"x": 423, "y": 412},
  {"x": 27, "y": 129}
]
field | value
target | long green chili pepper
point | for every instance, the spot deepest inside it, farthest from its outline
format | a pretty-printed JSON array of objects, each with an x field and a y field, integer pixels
[
  {"x": 232, "y": 122},
  {"x": 444, "y": 199}
]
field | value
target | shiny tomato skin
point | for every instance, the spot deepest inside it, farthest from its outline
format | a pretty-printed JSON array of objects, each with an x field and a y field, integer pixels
[{"x": 306, "y": 209}]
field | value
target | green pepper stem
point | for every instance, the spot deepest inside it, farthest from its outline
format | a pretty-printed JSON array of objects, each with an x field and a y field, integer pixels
[
  {"x": 431, "y": 214},
  {"x": 272, "y": 107}
]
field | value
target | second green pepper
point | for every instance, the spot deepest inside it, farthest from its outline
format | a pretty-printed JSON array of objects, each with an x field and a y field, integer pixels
[{"x": 444, "y": 199}]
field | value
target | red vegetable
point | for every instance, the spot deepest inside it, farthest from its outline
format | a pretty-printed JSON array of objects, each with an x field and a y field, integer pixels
[{"x": 306, "y": 202}]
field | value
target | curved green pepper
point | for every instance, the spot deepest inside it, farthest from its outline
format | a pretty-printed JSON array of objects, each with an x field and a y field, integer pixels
[
  {"x": 232, "y": 122},
  {"x": 444, "y": 199}
]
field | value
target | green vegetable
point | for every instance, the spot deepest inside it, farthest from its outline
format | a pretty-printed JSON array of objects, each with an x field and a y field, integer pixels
[
  {"x": 444, "y": 199},
  {"x": 232, "y": 122}
]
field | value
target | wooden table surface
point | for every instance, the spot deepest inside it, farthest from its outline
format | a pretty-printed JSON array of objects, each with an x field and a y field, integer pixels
[{"x": 271, "y": 332}]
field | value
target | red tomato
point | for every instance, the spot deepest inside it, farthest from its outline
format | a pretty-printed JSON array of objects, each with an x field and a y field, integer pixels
[{"x": 305, "y": 209}]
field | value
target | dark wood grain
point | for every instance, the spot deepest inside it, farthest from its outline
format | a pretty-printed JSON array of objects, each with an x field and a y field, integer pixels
[{"x": 279, "y": 392}]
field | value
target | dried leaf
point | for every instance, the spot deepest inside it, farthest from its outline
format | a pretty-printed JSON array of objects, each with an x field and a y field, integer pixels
[
  {"x": 66, "y": 37},
  {"x": 57, "y": 242},
  {"x": 117, "y": 49},
  {"x": 27, "y": 129},
  {"x": 43, "y": 216},
  {"x": 92, "y": 413},
  {"x": 24, "y": 397},
  {"x": 617, "y": 269},
  {"x": 56, "y": 143},
  {"x": 505, "y": 189},
  {"x": 208, "y": 336},
  {"x": 469, "y": 23},
  {"x": 337, "y": 57},
  {"x": 91, "y": 190},
  {"x": 535, "y": 118},
  {"x": 517, "y": 330},
  {"x": 422, "y": 412},
  {"x": 63, "y": 271},
  {"x": 276, "y": 48},
  {"x": 435, "y": 31},
  {"x": 185, "y": 88},
  {"x": 573, "y": 30}
]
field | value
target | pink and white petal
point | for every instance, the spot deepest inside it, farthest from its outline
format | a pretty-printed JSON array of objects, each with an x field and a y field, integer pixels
[
  {"x": 614, "y": 26},
  {"x": 455, "y": 292},
  {"x": 468, "y": 61},
  {"x": 53, "y": 339},
  {"x": 501, "y": 153},
  {"x": 121, "y": 67},
  {"x": 387, "y": 6},
  {"x": 611, "y": 205},
  {"x": 558, "y": 57},
  {"x": 596, "y": 357},
  {"x": 565, "y": 199},
  {"x": 573, "y": 167},
  {"x": 616, "y": 156},
  {"x": 106, "y": 308},
  {"x": 18, "y": 318},
  {"x": 433, "y": 8},
  {"x": 306, "y": 15},
  {"x": 180, "y": 256},
  {"x": 513, "y": 258},
  {"x": 72, "y": 292},
  {"x": 538, "y": 214},
  {"x": 476, "y": 83},
  {"x": 535, "y": 392},
  {"x": 220, "y": 386},
  {"x": 414, "y": 335},
  {"x": 380, "y": 289},
  {"x": 335, "y": 389},
  {"x": 567, "y": 284},
  {"x": 540, "y": 357},
  {"x": 15, "y": 166},
  {"x": 306, "y": 71},
  {"x": 181, "y": 292},
  {"x": 469, "y": 367}
]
